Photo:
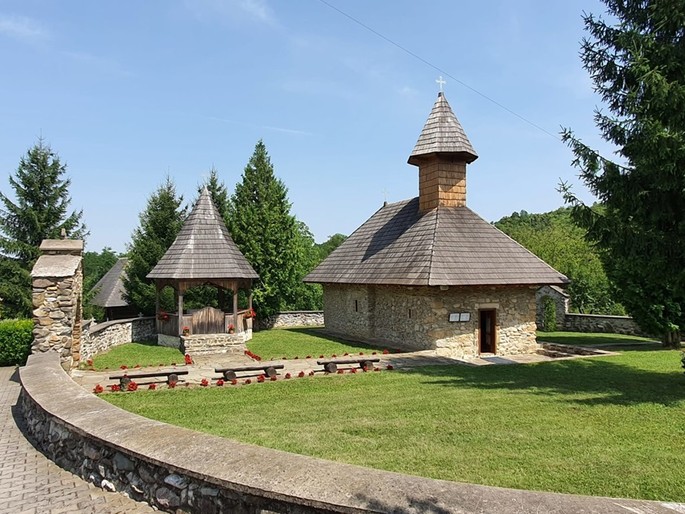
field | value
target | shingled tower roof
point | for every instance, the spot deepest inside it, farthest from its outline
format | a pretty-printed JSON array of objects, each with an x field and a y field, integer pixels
[
  {"x": 434, "y": 240},
  {"x": 442, "y": 134},
  {"x": 203, "y": 249}
]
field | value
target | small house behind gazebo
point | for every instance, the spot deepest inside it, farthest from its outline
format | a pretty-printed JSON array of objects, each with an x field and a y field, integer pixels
[{"x": 204, "y": 254}]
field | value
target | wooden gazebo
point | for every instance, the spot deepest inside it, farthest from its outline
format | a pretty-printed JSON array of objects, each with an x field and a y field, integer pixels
[{"x": 203, "y": 253}]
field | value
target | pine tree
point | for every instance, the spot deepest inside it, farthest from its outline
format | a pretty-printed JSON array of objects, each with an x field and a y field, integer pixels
[
  {"x": 160, "y": 223},
  {"x": 39, "y": 212},
  {"x": 262, "y": 227},
  {"x": 638, "y": 67}
]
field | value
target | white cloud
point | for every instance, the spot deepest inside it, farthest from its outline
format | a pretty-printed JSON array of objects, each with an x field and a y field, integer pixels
[
  {"x": 232, "y": 10},
  {"x": 21, "y": 27}
]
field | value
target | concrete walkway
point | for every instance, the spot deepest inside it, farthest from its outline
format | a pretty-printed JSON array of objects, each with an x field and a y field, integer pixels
[{"x": 31, "y": 483}]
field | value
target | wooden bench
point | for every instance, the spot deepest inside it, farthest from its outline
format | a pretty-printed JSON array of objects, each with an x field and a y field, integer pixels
[
  {"x": 269, "y": 369},
  {"x": 171, "y": 376},
  {"x": 331, "y": 366}
]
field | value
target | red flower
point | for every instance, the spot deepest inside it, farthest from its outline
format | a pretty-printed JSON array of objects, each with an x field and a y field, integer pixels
[
  {"x": 171, "y": 385},
  {"x": 300, "y": 374},
  {"x": 309, "y": 356},
  {"x": 345, "y": 354},
  {"x": 234, "y": 382},
  {"x": 354, "y": 370},
  {"x": 89, "y": 362},
  {"x": 204, "y": 382},
  {"x": 389, "y": 367},
  {"x": 376, "y": 369},
  {"x": 321, "y": 357},
  {"x": 152, "y": 387},
  {"x": 340, "y": 372},
  {"x": 189, "y": 359},
  {"x": 132, "y": 386},
  {"x": 260, "y": 378},
  {"x": 123, "y": 366},
  {"x": 98, "y": 389},
  {"x": 311, "y": 373},
  {"x": 247, "y": 381},
  {"x": 136, "y": 366},
  {"x": 219, "y": 382},
  {"x": 115, "y": 388},
  {"x": 361, "y": 353},
  {"x": 334, "y": 356},
  {"x": 385, "y": 352},
  {"x": 274, "y": 378},
  {"x": 288, "y": 375}
]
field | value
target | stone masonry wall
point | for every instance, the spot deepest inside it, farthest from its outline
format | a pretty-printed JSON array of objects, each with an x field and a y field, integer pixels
[
  {"x": 417, "y": 318},
  {"x": 105, "y": 336},
  {"x": 560, "y": 304},
  {"x": 598, "y": 323},
  {"x": 288, "y": 319},
  {"x": 56, "y": 305}
]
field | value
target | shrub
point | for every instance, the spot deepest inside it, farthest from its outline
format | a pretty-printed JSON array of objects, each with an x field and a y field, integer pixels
[
  {"x": 549, "y": 315},
  {"x": 16, "y": 336}
]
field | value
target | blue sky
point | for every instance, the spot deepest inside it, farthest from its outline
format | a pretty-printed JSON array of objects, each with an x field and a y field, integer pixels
[{"x": 128, "y": 92}]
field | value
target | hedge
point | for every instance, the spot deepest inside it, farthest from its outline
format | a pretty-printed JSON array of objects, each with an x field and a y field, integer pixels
[{"x": 16, "y": 336}]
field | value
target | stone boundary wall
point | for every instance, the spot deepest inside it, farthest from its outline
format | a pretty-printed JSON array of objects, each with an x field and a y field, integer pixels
[
  {"x": 288, "y": 319},
  {"x": 601, "y": 323},
  {"x": 179, "y": 470},
  {"x": 102, "y": 337}
]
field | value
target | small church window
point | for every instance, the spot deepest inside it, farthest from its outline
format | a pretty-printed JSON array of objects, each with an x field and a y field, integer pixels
[
  {"x": 356, "y": 306},
  {"x": 410, "y": 313}
]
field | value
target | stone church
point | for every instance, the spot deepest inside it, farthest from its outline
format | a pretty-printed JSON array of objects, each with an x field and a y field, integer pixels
[{"x": 429, "y": 273}]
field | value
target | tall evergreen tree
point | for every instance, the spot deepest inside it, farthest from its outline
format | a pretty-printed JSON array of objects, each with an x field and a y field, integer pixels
[
  {"x": 637, "y": 63},
  {"x": 40, "y": 211},
  {"x": 160, "y": 223},
  {"x": 261, "y": 225}
]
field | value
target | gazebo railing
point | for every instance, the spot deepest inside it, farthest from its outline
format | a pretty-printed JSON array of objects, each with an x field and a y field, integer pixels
[{"x": 204, "y": 321}]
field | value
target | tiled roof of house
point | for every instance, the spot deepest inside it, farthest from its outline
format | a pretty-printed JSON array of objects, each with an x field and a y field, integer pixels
[
  {"x": 110, "y": 288},
  {"x": 450, "y": 246},
  {"x": 203, "y": 249},
  {"x": 443, "y": 134}
]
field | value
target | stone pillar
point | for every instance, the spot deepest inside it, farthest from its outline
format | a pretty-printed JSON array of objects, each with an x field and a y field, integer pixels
[{"x": 57, "y": 279}]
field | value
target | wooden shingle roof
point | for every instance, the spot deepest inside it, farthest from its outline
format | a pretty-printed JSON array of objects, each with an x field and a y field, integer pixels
[
  {"x": 203, "y": 249},
  {"x": 449, "y": 246},
  {"x": 442, "y": 134},
  {"x": 110, "y": 288}
]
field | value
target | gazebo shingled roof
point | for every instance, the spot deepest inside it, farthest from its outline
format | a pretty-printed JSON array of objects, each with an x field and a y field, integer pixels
[{"x": 203, "y": 249}]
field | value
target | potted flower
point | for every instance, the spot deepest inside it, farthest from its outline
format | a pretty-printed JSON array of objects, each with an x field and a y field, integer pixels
[
  {"x": 231, "y": 328},
  {"x": 186, "y": 331},
  {"x": 163, "y": 316}
]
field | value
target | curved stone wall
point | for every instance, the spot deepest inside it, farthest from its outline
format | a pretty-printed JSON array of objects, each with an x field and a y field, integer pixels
[
  {"x": 176, "y": 469},
  {"x": 105, "y": 336}
]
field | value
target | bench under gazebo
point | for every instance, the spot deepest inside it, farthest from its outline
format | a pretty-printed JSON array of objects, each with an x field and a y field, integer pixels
[{"x": 204, "y": 254}]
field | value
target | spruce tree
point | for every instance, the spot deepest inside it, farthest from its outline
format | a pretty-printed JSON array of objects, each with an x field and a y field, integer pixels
[
  {"x": 637, "y": 63},
  {"x": 40, "y": 211},
  {"x": 262, "y": 227},
  {"x": 160, "y": 223}
]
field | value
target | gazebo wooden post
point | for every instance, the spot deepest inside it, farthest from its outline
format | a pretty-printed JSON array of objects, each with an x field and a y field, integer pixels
[
  {"x": 180, "y": 310},
  {"x": 157, "y": 321},
  {"x": 235, "y": 305}
]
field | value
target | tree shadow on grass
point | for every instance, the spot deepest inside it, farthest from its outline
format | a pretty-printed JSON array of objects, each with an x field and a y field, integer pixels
[{"x": 582, "y": 381}]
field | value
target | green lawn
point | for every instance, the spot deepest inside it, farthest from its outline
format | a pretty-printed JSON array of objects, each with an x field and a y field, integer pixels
[
  {"x": 611, "y": 426},
  {"x": 301, "y": 342},
  {"x": 133, "y": 354},
  {"x": 582, "y": 339}
]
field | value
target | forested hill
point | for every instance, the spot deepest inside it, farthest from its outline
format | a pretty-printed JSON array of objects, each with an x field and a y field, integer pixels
[{"x": 554, "y": 238}]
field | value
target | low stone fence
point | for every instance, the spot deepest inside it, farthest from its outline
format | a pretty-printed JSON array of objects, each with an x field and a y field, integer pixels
[
  {"x": 105, "y": 336},
  {"x": 289, "y": 319},
  {"x": 601, "y": 323}
]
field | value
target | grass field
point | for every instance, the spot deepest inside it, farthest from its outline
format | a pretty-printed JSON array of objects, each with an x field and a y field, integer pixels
[
  {"x": 133, "y": 354},
  {"x": 610, "y": 426},
  {"x": 582, "y": 339}
]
